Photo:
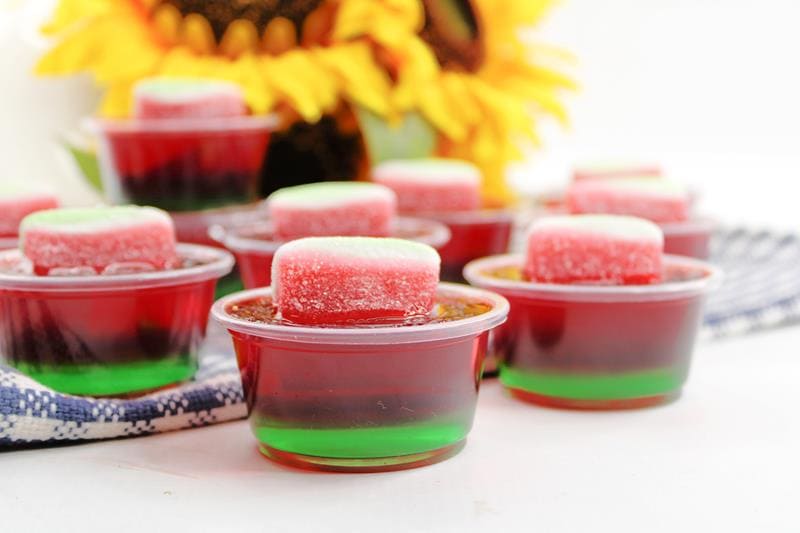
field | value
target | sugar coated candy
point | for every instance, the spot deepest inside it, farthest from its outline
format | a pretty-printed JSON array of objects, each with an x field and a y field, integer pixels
[
  {"x": 602, "y": 249},
  {"x": 17, "y": 200},
  {"x": 431, "y": 185},
  {"x": 183, "y": 98},
  {"x": 659, "y": 200},
  {"x": 332, "y": 209},
  {"x": 333, "y": 280},
  {"x": 605, "y": 170},
  {"x": 98, "y": 238}
]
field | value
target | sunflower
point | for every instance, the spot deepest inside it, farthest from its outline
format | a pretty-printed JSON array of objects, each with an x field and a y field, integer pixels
[{"x": 461, "y": 65}]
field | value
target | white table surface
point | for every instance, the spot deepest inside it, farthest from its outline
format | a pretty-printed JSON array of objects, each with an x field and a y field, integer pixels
[{"x": 724, "y": 457}]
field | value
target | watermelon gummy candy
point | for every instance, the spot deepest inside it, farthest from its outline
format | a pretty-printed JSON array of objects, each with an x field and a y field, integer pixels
[
  {"x": 17, "y": 200},
  {"x": 334, "y": 280},
  {"x": 656, "y": 199},
  {"x": 431, "y": 185},
  {"x": 98, "y": 238},
  {"x": 615, "y": 170},
  {"x": 180, "y": 98},
  {"x": 332, "y": 209},
  {"x": 600, "y": 249}
]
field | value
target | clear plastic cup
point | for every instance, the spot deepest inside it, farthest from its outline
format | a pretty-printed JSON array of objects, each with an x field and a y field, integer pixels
[
  {"x": 103, "y": 335},
  {"x": 254, "y": 244},
  {"x": 691, "y": 238},
  {"x": 194, "y": 226},
  {"x": 182, "y": 164},
  {"x": 596, "y": 346},
  {"x": 473, "y": 234},
  {"x": 370, "y": 398}
]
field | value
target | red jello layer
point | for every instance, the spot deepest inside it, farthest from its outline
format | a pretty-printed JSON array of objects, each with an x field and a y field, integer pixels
[{"x": 473, "y": 236}]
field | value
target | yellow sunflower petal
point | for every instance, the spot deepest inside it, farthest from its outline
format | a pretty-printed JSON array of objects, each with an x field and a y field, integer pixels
[{"x": 70, "y": 12}]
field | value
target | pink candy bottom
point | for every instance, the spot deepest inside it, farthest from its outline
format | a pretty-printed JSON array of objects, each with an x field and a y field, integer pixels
[{"x": 254, "y": 244}]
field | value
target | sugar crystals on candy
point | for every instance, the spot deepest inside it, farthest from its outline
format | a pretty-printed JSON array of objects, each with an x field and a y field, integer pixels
[
  {"x": 332, "y": 209},
  {"x": 97, "y": 238},
  {"x": 655, "y": 199},
  {"x": 602, "y": 249},
  {"x": 17, "y": 200},
  {"x": 181, "y": 98},
  {"x": 332, "y": 280},
  {"x": 431, "y": 185}
]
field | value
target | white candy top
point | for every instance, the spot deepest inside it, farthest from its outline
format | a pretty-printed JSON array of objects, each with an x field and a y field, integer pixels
[
  {"x": 175, "y": 90},
  {"x": 617, "y": 226},
  {"x": 330, "y": 194},
  {"x": 16, "y": 190},
  {"x": 89, "y": 220},
  {"x": 384, "y": 250},
  {"x": 656, "y": 187},
  {"x": 422, "y": 171}
]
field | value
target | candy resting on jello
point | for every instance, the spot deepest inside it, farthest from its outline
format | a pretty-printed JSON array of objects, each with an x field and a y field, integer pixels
[
  {"x": 357, "y": 359},
  {"x": 104, "y": 302},
  {"x": 332, "y": 208},
  {"x": 317, "y": 210},
  {"x": 325, "y": 280},
  {"x": 95, "y": 239},
  {"x": 448, "y": 190},
  {"x": 613, "y": 250},
  {"x": 17, "y": 200},
  {"x": 196, "y": 98},
  {"x": 655, "y": 199},
  {"x": 431, "y": 185},
  {"x": 600, "y": 319}
]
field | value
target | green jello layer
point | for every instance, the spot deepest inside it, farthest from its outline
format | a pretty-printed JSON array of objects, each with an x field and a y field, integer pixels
[
  {"x": 386, "y": 441},
  {"x": 586, "y": 386},
  {"x": 106, "y": 380}
]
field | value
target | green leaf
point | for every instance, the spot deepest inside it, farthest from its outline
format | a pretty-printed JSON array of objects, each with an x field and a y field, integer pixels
[
  {"x": 86, "y": 161},
  {"x": 412, "y": 137}
]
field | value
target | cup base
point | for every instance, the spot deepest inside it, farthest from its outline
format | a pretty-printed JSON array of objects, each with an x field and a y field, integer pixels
[
  {"x": 353, "y": 465},
  {"x": 582, "y": 404},
  {"x": 128, "y": 380}
]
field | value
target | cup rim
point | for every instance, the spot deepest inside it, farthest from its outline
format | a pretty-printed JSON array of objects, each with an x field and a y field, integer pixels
[
  {"x": 372, "y": 335},
  {"x": 473, "y": 272},
  {"x": 220, "y": 263},
  {"x": 438, "y": 234},
  {"x": 214, "y": 124}
]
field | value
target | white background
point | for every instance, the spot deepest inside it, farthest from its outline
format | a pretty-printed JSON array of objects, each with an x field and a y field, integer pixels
[{"x": 708, "y": 87}]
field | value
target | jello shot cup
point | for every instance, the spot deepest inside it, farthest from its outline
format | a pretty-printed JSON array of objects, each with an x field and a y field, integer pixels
[
  {"x": 596, "y": 346},
  {"x": 182, "y": 164},
  {"x": 108, "y": 334},
  {"x": 254, "y": 244},
  {"x": 449, "y": 191},
  {"x": 691, "y": 238},
  {"x": 473, "y": 234},
  {"x": 362, "y": 398}
]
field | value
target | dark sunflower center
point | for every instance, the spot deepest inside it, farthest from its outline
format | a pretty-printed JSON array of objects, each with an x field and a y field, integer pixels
[
  {"x": 220, "y": 14},
  {"x": 453, "y": 30}
]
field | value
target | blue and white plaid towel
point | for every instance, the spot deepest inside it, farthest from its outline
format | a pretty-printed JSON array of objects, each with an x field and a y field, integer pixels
[
  {"x": 762, "y": 289},
  {"x": 762, "y": 282}
]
